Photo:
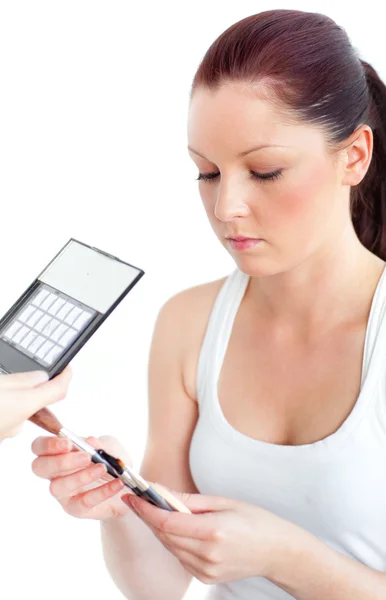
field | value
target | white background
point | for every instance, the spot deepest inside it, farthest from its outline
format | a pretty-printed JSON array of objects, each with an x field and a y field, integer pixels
[{"x": 93, "y": 108}]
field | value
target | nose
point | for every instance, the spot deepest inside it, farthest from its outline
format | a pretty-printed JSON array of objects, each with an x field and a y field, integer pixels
[{"x": 231, "y": 201}]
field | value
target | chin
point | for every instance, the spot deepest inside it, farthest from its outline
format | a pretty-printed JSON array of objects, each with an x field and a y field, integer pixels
[
  {"x": 254, "y": 268},
  {"x": 257, "y": 266}
]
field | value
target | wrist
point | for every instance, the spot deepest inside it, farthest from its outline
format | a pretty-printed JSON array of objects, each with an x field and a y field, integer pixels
[{"x": 290, "y": 549}]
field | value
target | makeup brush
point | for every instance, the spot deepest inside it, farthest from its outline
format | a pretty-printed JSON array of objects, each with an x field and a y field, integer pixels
[
  {"x": 46, "y": 419},
  {"x": 155, "y": 493}
]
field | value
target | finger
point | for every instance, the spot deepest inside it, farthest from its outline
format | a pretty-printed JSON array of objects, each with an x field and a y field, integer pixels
[
  {"x": 48, "y": 467},
  {"x": 52, "y": 391},
  {"x": 93, "y": 441},
  {"x": 45, "y": 445},
  {"x": 193, "y": 561},
  {"x": 31, "y": 379},
  {"x": 194, "y": 546},
  {"x": 62, "y": 487},
  {"x": 106, "y": 476},
  {"x": 199, "y": 503},
  {"x": 194, "y": 526},
  {"x": 91, "y": 498},
  {"x": 19, "y": 381},
  {"x": 33, "y": 399}
]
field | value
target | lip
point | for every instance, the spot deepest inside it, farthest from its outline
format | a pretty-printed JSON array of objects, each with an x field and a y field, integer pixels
[
  {"x": 244, "y": 243},
  {"x": 240, "y": 238}
]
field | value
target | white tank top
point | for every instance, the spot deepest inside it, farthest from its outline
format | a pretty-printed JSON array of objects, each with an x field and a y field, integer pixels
[{"x": 335, "y": 488}]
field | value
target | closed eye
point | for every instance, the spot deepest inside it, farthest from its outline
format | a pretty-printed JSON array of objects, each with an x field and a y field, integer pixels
[{"x": 263, "y": 177}]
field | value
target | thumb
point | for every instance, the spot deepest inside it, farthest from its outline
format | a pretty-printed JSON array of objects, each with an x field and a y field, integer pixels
[
  {"x": 18, "y": 381},
  {"x": 43, "y": 394}
]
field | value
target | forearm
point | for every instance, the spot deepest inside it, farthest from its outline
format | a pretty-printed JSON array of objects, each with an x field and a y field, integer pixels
[
  {"x": 139, "y": 564},
  {"x": 311, "y": 570}
]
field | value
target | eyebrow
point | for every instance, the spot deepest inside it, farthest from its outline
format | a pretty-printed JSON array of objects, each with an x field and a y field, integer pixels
[{"x": 245, "y": 152}]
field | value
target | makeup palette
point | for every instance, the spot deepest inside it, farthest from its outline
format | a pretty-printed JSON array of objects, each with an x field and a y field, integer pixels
[{"x": 62, "y": 308}]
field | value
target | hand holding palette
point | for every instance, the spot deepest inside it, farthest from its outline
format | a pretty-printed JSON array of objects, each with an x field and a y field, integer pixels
[{"x": 51, "y": 321}]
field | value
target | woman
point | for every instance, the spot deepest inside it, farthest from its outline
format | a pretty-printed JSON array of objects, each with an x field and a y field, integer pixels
[
  {"x": 23, "y": 394},
  {"x": 267, "y": 387}
]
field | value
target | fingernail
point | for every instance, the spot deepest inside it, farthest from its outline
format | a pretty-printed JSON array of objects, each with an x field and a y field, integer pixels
[{"x": 129, "y": 501}]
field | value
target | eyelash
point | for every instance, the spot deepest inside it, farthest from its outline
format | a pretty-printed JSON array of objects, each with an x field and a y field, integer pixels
[{"x": 263, "y": 177}]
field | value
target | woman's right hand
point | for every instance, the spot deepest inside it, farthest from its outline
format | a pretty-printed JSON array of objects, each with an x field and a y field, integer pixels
[{"x": 84, "y": 489}]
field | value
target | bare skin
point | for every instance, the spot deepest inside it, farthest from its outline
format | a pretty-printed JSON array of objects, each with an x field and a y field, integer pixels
[
  {"x": 288, "y": 391},
  {"x": 295, "y": 352},
  {"x": 23, "y": 394}
]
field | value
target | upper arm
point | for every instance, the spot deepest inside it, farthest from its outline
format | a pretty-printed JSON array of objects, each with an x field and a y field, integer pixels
[{"x": 172, "y": 412}]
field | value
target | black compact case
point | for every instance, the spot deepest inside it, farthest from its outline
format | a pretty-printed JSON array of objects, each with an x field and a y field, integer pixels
[{"x": 62, "y": 308}]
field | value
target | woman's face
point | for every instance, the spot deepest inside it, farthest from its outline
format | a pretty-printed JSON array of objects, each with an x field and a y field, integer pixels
[{"x": 295, "y": 214}]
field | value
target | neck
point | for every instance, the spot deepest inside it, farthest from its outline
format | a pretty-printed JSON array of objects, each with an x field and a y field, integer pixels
[{"x": 335, "y": 285}]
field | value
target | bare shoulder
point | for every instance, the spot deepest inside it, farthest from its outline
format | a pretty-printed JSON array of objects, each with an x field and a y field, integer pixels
[
  {"x": 191, "y": 308},
  {"x": 173, "y": 411}
]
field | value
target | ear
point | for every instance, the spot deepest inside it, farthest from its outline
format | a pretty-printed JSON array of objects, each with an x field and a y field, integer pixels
[{"x": 356, "y": 155}]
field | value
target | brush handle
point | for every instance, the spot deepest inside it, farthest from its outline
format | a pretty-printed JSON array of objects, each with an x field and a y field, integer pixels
[
  {"x": 45, "y": 419},
  {"x": 154, "y": 498},
  {"x": 176, "y": 504}
]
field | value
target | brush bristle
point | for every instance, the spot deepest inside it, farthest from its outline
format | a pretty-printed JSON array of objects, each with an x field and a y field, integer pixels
[{"x": 46, "y": 419}]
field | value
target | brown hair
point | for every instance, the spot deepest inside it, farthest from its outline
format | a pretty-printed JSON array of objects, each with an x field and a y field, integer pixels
[{"x": 310, "y": 68}]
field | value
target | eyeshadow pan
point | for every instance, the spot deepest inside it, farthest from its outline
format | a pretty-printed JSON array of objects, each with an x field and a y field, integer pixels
[
  {"x": 20, "y": 334},
  {"x": 25, "y": 315},
  {"x": 12, "y": 329},
  {"x": 53, "y": 355},
  {"x": 45, "y": 305},
  {"x": 68, "y": 337},
  {"x": 57, "y": 334},
  {"x": 38, "y": 341},
  {"x": 63, "y": 312},
  {"x": 73, "y": 315},
  {"x": 50, "y": 327},
  {"x": 28, "y": 339},
  {"x": 57, "y": 305},
  {"x": 40, "y": 325},
  {"x": 32, "y": 321},
  {"x": 44, "y": 349},
  {"x": 81, "y": 321},
  {"x": 43, "y": 336},
  {"x": 38, "y": 299}
]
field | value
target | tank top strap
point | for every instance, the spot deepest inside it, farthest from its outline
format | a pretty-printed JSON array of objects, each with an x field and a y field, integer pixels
[{"x": 219, "y": 329}]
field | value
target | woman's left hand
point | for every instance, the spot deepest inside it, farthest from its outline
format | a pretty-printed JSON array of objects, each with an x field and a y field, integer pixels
[{"x": 223, "y": 539}]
